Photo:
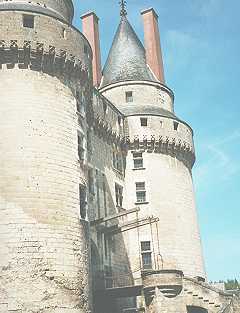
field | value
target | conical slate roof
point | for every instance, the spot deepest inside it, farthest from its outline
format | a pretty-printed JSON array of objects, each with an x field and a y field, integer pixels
[{"x": 126, "y": 59}]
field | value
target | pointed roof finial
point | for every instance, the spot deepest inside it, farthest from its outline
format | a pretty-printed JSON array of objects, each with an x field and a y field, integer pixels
[{"x": 123, "y": 11}]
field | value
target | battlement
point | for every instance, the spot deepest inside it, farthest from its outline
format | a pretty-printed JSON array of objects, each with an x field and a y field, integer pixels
[{"x": 49, "y": 46}]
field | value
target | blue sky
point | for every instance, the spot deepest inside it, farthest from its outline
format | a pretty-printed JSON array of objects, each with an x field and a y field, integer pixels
[{"x": 201, "y": 48}]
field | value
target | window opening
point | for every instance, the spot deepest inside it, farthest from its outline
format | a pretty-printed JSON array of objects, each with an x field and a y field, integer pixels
[
  {"x": 144, "y": 121},
  {"x": 175, "y": 125},
  {"x": 119, "y": 195},
  {"x": 64, "y": 33},
  {"x": 118, "y": 161},
  {"x": 89, "y": 141},
  {"x": 81, "y": 150},
  {"x": 140, "y": 192},
  {"x": 80, "y": 102},
  {"x": 90, "y": 181},
  {"x": 137, "y": 160},
  {"x": 146, "y": 254},
  {"x": 85, "y": 49},
  {"x": 129, "y": 96},
  {"x": 83, "y": 203},
  {"x": 28, "y": 21}
]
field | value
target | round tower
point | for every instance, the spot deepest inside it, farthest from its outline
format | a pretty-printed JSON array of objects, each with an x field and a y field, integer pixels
[
  {"x": 160, "y": 156},
  {"x": 46, "y": 82}
]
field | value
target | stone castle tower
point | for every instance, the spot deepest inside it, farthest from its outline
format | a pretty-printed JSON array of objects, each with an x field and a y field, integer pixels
[{"x": 97, "y": 209}]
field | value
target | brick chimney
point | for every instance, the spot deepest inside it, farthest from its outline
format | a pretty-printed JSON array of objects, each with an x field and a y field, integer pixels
[
  {"x": 91, "y": 31},
  {"x": 152, "y": 43}
]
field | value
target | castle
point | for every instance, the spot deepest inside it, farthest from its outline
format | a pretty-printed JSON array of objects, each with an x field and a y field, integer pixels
[{"x": 97, "y": 209}]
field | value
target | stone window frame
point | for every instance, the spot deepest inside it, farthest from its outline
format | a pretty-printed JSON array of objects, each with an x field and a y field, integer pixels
[
  {"x": 140, "y": 192},
  {"x": 129, "y": 96},
  {"x": 137, "y": 160},
  {"x": 175, "y": 126},
  {"x": 144, "y": 121},
  {"x": 80, "y": 102},
  {"x": 91, "y": 179},
  {"x": 28, "y": 21},
  {"x": 81, "y": 147},
  {"x": 146, "y": 253},
  {"x": 83, "y": 201},
  {"x": 119, "y": 195}
]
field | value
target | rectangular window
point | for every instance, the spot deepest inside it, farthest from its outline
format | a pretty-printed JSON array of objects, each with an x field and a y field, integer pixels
[
  {"x": 140, "y": 192},
  {"x": 89, "y": 142},
  {"x": 137, "y": 160},
  {"x": 146, "y": 254},
  {"x": 118, "y": 161},
  {"x": 143, "y": 121},
  {"x": 83, "y": 203},
  {"x": 80, "y": 102},
  {"x": 145, "y": 246},
  {"x": 90, "y": 181},
  {"x": 129, "y": 96},
  {"x": 98, "y": 194},
  {"x": 175, "y": 125},
  {"x": 81, "y": 150},
  {"x": 28, "y": 21},
  {"x": 119, "y": 195},
  {"x": 108, "y": 276}
]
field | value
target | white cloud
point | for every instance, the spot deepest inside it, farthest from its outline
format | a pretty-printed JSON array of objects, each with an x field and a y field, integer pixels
[{"x": 221, "y": 162}]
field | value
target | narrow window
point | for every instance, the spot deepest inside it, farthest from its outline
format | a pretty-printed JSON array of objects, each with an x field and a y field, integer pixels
[
  {"x": 89, "y": 142},
  {"x": 80, "y": 102},
  {"x": 108, "y": 276},
  {"x": 81, "y": 150},
  {"x": 28, "y": 21},
  {"x": 85, "y": 49},
  {"x": 98, "y": 194},
  {"x": 175, "y": 125},
  {"x": 119, "y": 195},
  {"x": 64, "y": 33},
  {"x": 140, "y": 192},
  {"x": 137, "y": 160},
  {"x": 114, "y": 159},
  {"x": 106, "y": 247},
  {"x": 146, "y": 254},
  {"x": 105, "y": 107},
  {"x": 104, "y": 196},
  {"x": 90, "y": 181},
  {"x": 143, "y": 121},
  {"x": 118, "y": 161},
  {"x": 161, "y": 124},
  {"x": 83, "y": 203},
  {"x": 119, "y": 121},
  {"x": 129, "y": 96}
]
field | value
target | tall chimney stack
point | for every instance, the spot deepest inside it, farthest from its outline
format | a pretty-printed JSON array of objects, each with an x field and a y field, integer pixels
[
  {"x": 152, "y": 43},
  {"x": 91, "y": 31}
]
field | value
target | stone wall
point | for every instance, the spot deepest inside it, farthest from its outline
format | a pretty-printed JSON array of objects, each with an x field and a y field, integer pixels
[
  {"x": 45, "y": 244},
  {"x": 144, "y": 93}
]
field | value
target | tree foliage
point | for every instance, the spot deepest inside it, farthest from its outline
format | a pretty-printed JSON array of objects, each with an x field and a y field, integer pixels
[{"x": 232, "y": 284}]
